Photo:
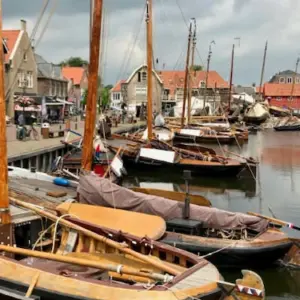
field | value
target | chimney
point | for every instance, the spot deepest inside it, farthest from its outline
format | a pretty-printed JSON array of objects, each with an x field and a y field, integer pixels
[{"x": 23, "y": 25}]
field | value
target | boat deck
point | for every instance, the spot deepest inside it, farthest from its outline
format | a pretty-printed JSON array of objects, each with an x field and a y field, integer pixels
[{"x": 205, "y": 275}]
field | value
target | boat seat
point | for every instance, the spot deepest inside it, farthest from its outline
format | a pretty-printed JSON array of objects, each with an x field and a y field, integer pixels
[{"x": 181, "y": 225}]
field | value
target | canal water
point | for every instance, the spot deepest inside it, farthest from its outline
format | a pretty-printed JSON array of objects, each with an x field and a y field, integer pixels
[{"x": 275, "y": 187}]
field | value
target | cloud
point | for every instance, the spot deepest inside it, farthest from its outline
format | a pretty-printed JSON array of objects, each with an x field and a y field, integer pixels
[{"x": 124, "y": 41}]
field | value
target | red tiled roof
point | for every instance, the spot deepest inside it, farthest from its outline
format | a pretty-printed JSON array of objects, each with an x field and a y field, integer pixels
[
  {"x": 10, "y": 36},
  {"x": 175, "y": 79},
  {"x": 117, "y": 87},
  {"x": 281, "y": 89},
  {"x": 75, "y": 73}
]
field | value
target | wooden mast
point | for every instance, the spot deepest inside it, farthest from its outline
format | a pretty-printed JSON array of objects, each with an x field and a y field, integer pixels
[
  {"x": 263, "y": 71},
  {"x": 149, "y": 67},
  {"x": 207, "y": 72},
  {"x": 4, "y": 201},
  {"x": 231, "y": 75},
  {"x": 190, "y": 73},
  {"x": 186, "y": 74},
  {"x": 89, "y": 127},
  {"x": 294, "y": 78}
]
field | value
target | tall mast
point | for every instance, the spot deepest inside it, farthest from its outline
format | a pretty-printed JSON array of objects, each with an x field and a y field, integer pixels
[
  {"x": 89, "y": 127},
  {"x": 231, "y": 74},
  {"x": 294, "y": 78},
  {"x": 207, "y": 72},
  {"x": 190, "y": 72},
  {"x": 186, "y": 74},
  {"x": 4, "y": 201},
  {"x": 263, "y": 71},
  {"x": 149, "y": 67}
]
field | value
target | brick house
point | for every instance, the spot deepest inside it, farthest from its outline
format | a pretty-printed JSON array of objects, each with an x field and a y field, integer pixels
[
  {"x": 77, "y": 83},
  {"x": 20, "y": 67},
  {"x": 279, "y": 94}
]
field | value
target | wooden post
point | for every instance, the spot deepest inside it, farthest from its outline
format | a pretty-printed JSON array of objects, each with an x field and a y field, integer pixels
[
  {"x": 262, "y": 72},
  {"x": 149, "y": 67},
  {"x": 186, "y": 74},
  {"x": 89, "y": 126},
  {"x": 231, "y": 75},
  {"x": 190, "y": 75},
  {"x": 4, "y": 202}
]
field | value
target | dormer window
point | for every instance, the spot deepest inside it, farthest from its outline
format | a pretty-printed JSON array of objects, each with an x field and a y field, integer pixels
[
  {"x": 202, "y": 84},
  {"x": 289, "y": 80},
  {"x": 281, "y": 80}
]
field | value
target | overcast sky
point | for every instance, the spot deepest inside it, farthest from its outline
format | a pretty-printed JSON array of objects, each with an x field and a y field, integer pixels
[{"x": 254, "y": 21}]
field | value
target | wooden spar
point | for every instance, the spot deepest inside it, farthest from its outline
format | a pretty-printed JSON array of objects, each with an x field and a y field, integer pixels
[
  {"x": 109, "y": 167},
  {"x": 294, "y": 78},
  {"x": 186, "y": 75},
  {"x": 97, "y": 237},
  {"x": 149, "y": 68},
  {"x": 86, "y": 262},
  {"x": 4, "y": 202},
  {"x": 190, "y": 74},
  {"x": 274, "y": 220},
  {"x": 231, "y": 75},
  {"x": 89, "y": 127},
  {"x": 263, "y": 71},
  {"x": 207, "y": 72}
]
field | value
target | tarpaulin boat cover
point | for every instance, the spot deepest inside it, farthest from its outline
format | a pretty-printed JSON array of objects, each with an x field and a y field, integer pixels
[{"x": 95, "y": 190}]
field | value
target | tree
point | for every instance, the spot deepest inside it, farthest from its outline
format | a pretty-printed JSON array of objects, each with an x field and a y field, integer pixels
[
  {"x": 197, "y": 68},
  {"x": 105, "y": 97},
  {"x": 74, "y": 62},
  {"x": 109, "y": 86}
]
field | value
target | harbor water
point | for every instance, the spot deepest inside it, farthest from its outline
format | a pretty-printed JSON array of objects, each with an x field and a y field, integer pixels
[{"x": 274, "y": 188}]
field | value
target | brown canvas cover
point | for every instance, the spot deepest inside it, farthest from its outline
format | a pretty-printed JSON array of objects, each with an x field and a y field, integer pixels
[{"x": 95, "y": 190}]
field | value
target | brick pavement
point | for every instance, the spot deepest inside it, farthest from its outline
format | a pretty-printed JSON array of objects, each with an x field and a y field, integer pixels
[{"x": 16, "y": 147}]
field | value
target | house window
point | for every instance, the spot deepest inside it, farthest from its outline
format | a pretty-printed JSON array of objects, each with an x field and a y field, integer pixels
[
  {"x": 281, "y": 80},
  {"x": 29, "y": 79},
  {"x": 202, "y": 84},
  {"x": 297, "y": 80},
  {"x": 278, "y": 98},
  {"x": 140, "y": 90},
  {"x": 139, "y": 76},
  {"x": 144, "y": 76},
  {"x": 289, "y": 80},
  {"x": 290, "y": 99},
  {"x": 25, "y": 56}
]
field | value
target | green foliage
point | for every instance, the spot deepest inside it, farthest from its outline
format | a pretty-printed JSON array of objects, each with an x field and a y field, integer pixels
[
  {"x": 74, "y": 62},
  {"x": 104, "y": 97},
  {"x": 109, "y": 86},
  {"x": 84, "y": 98},
  {"x": 197, "y": 68}
]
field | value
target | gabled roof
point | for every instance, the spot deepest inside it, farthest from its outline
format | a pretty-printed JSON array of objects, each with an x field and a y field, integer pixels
[
  {"x": 281, "y": 89},
  {"x": 75, "y": 73},
  {"x": 117, "y": 87},
  {"x": 175, "y": 79},
  {"x": 46, "y": 69},
  {"x": 10, "y": 37},
  {"x": 140, "y": 67}
]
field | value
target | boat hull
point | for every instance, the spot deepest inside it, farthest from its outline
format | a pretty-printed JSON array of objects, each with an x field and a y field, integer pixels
[
  {"x": 287, "y": 128},
  {"x": 234, "y": 257},
  {"x": 256, "y": 120},
  {"x": 219, "y": 170},
  {"x": 205, "y": 139}
]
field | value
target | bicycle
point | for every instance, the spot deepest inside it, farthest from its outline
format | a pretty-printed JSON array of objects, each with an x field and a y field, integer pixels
[{"x": 25, "y": 133}]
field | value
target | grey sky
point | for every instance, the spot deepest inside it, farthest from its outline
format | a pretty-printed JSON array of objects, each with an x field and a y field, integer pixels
[{"x": 253, "y": 21}]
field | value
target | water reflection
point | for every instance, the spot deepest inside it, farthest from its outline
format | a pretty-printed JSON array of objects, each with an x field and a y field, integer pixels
[{"x": 276, "y": 187}]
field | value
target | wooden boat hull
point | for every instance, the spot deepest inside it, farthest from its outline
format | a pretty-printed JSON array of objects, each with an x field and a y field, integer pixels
[
  {"x": 256, "y": 120},
  {"x": 51, "y": 286},
  {"x": 287, "y": 128},
  {"x": 254, "y": 254},
  {"x": 216, "y": 169},
  {"x": 204, "y": 139}
]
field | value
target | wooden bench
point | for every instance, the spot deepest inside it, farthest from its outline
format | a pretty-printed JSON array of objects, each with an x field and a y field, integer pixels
[{"x": 56, "y": 133}]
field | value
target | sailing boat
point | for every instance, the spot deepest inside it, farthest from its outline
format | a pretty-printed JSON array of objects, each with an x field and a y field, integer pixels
[{"x": 157, "y": 153}]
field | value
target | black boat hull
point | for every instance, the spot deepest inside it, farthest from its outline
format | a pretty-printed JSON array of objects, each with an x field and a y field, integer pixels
[
  {"x": 208, "y": 170},
  {"x": 255, "y": 120},
  {"x": 287, "y": 128},
  {"x": 254, "y": 257}
]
